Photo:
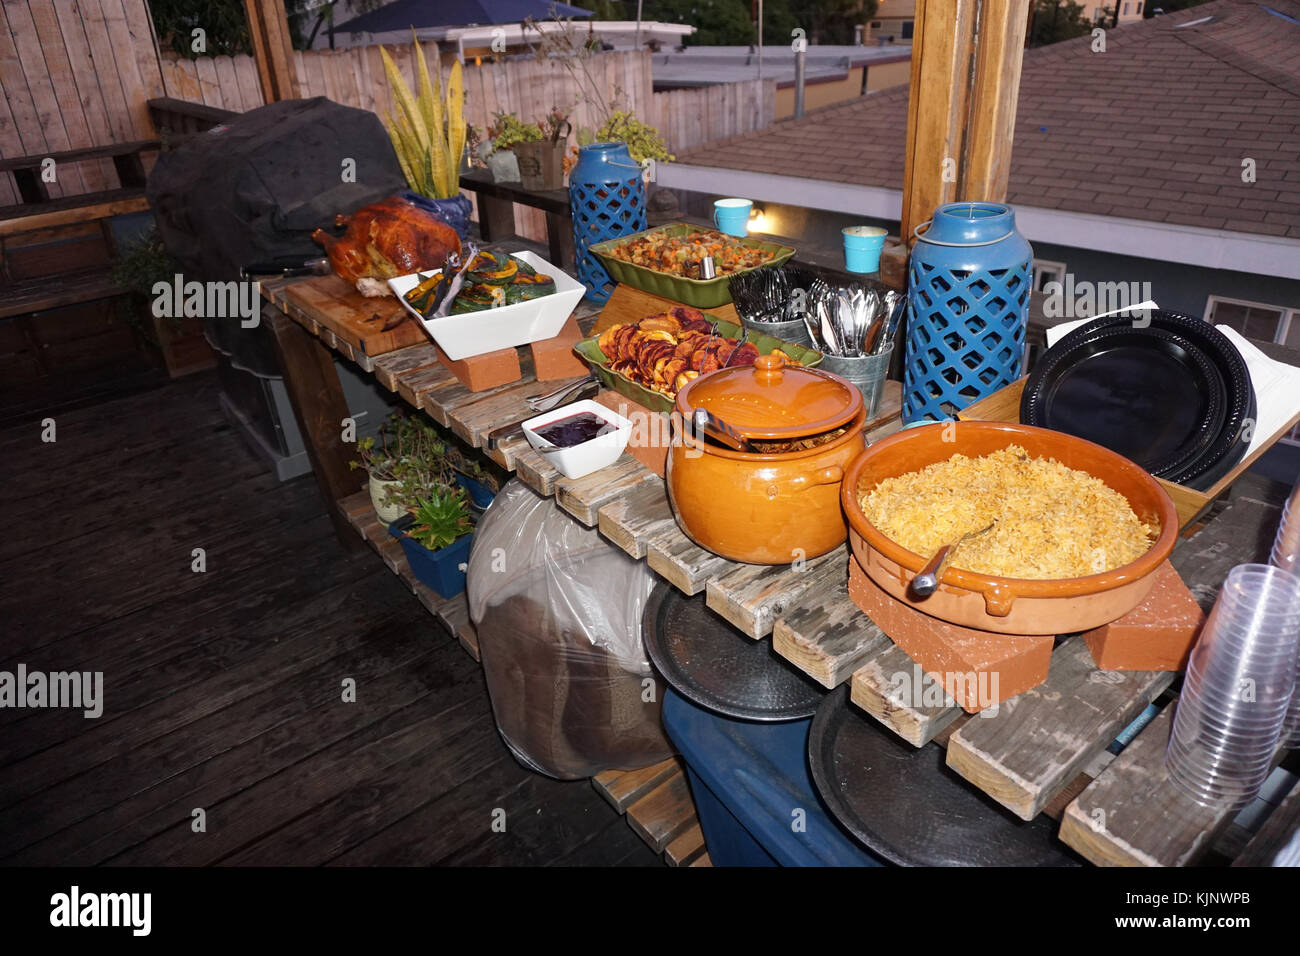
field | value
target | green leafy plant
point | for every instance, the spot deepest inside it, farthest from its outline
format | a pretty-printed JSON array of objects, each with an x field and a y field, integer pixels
[
  {"x": 136, "y": 271},
  {"x": 509, "y": 131},
  {"x": 441, "y": 518},
  {"x": 643, "y": 140},
  {"x": 410, "y": 452},
  {"x": 428, "y": 130}
]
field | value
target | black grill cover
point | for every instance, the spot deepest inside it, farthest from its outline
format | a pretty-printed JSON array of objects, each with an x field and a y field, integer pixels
[{"x": 253, "y": 190}]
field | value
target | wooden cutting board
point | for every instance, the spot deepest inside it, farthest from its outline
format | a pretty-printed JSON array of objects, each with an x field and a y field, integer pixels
[
  {"x": 373, "y": 326},
  {"x": 627, "y": 304}
]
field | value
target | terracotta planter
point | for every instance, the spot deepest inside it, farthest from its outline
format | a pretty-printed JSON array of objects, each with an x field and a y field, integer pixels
[
  {"x": 766, "y": 508},
  {"x": 1008, "y": 605},
  {"x": 541, "y": 164}
]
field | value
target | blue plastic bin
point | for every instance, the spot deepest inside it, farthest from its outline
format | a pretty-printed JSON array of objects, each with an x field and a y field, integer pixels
[{"x": 747, "y": 780}]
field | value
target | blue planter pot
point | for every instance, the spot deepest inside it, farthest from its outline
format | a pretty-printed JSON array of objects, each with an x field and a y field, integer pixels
[
  {"x": 443, "y": 571},
  {"x": 607, "y": 199},
  {"x": 968, "y": 303},
  {"x": 454, "y": 212},
  {"x": 479, "y": 494}
]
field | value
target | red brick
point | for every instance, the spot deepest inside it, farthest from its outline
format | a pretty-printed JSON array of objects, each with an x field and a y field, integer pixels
[
  {"x": 555, "y": 358},
  {"x": 481, "y": 372},
  {"x": 1157, "y": 635},
  {"x": 650, "y": 435},
  {"x": 943, "y": 649}
]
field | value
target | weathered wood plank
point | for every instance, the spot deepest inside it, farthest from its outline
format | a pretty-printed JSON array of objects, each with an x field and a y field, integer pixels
[
  {"x": 686, "y": 565},
  {"x": 583, "y": 497},
  {"x": 1280, "y": 829},
  {"x": 493, "y": 408},
  {"x": 622, "y": 788},
  {"x": 631, "y": 521},
  {"x": 753, "y": 596},
  {"x": 1132, "y": 815},
  {"x": 827, "y": 636},
  {"x": 877, "y": 690},
  {"x": 412, "y": 386},
  {"x": 508, "y": 450},
  {"x": 454, "y": 613},
  {"x": 535, "y": 471},
  {"x": 1040, "y": 740},
  {"x": 450, "y": 398},
  {"x": 687, "y": 848},
  {"x": 389, "y": 368},
  {"x": 663, "y": 814}
]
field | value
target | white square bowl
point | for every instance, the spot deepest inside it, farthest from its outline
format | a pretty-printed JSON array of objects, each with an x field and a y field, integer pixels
[
  {"x": 578, "y": 461},
  {"x": 473, "y": 333}
]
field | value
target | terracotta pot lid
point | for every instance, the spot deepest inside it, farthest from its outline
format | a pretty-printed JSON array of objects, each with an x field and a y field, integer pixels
[{"x": 771, "y": 399}]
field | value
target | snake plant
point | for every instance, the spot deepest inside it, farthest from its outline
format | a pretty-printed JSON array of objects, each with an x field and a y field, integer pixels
[{"x": 428, "y": 129}]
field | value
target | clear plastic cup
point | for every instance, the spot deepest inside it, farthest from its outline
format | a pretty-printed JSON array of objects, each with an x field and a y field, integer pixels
[
  {"x": 1233, "y": 704},
  {"x": 1286, "y": 556}
]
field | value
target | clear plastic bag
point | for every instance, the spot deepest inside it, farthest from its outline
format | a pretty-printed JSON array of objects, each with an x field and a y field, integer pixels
[{"x": 558, "y": 614}]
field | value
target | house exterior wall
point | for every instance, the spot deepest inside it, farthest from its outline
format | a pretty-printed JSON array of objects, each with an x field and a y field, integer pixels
[{"x": 880, "y": 76}]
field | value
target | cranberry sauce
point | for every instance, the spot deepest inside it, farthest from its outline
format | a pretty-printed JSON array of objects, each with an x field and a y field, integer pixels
[{"x": 574, "y": 430}]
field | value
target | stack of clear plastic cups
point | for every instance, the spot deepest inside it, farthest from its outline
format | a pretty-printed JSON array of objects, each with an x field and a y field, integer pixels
[
  {"x": 1286, "y": 555},
  {"x": 1237, "y": 689}
]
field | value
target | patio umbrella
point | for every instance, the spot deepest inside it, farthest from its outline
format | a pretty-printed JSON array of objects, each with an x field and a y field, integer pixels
[{"x": 422, "y": 14}]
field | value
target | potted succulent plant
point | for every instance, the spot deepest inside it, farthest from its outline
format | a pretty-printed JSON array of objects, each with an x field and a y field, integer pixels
[
  {"x": 436, "y": 536},
  {"x": 380, "y": 466},
  {"x": 505, "y": 135},
  {"x": 541, "y": 162}
]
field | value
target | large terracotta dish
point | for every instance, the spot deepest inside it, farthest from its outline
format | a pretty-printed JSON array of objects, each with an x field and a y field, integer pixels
[{"x": 1007, "y": 605}]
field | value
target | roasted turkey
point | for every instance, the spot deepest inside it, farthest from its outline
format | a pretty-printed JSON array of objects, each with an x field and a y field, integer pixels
[{"x": 387, "y": 239}]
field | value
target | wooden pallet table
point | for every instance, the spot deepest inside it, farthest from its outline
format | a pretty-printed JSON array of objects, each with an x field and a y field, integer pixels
[
  {"x": 656, "y": 803},
  {"x": 1041, "y": 752}
]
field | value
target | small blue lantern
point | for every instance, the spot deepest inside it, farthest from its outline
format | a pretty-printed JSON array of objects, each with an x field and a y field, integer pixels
[
  {"x": 969, "y": 280},
  {"x": 607, "y": 199}
]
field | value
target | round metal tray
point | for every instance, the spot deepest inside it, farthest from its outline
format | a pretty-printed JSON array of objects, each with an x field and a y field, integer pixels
[
  {"x": 905, "y": 804},
  {"x": 707, "y": 661}
]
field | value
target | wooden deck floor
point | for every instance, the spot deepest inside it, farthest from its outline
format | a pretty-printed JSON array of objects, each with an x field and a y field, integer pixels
[{"x": 222, "y": 688}]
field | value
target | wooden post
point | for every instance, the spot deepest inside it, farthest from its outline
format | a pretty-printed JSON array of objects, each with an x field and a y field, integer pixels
[
  {"x": 961, "y": 114},
  {"x": 268, "y": 26},
  {"x": 316, "y": 395}
]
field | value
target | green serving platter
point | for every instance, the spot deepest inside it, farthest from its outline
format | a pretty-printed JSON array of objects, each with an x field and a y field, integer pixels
[
  {"x": 657, "y": 402},
  {"x": 701, "y": 293}
]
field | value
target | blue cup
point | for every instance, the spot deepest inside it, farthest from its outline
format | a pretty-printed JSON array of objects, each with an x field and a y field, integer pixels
[
  {"x": 732, "y": 216},
  {"x": 862, "y": 246}
]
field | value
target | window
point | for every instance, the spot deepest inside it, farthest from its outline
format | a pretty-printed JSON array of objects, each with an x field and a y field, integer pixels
[
  {"x": 1046, "y": 271},
  {"x": 875, "y": 24},
  {"x": 907, "y": 29},
  {"x": 1139, "y": 7},
  {"x": 1255, "y": 320}
]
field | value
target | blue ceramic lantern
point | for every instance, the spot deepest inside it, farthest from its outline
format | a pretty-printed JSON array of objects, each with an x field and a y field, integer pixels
[
  {"x": 607, "y": 198},
  {"x": 968, "y": 298}
]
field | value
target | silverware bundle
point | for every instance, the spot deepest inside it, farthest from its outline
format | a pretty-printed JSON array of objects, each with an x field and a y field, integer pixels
[
  {"x": 846, "y": 321},
  {"x": 769, "y": 295},
  {"x": 851, "y": 321}
]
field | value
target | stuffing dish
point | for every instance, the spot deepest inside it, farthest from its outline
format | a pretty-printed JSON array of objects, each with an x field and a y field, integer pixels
[
  {"x": 678, "y": 255},
  {"x": 1050, "y": 521}
]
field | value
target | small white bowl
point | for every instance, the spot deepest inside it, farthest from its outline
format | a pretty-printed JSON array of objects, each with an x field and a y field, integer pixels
[{"x": 578, "y": 461}]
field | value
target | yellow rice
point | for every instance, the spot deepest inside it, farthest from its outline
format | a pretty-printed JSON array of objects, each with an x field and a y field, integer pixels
[{"x": 1052, "y": 521}]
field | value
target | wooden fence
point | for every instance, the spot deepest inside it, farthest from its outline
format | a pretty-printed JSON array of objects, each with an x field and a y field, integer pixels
[
  {"x": 530, "y": 88},
  {"x": 74, "y": 74},
  {"x": 78, "y": 73}
]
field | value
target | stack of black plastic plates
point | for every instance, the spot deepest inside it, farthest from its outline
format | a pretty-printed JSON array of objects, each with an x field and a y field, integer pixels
[
  {"x": 707, "y": 661},
  {"x": 1170, "y": 392},
  {"x": 907, "y": 806}
]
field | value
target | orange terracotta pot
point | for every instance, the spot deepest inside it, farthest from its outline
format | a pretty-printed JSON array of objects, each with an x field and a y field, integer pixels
[
  {"x": 1007, "y": 605},
  {"x": 766, "y": 508}
]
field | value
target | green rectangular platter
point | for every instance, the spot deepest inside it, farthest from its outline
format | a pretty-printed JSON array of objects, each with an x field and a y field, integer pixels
[
  {"x": 701, "y": 293},
  {"x": 656, "y": 402}
]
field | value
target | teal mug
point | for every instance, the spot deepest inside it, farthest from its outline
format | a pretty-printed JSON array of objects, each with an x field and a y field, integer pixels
[
  {"x": 732, "y": 216},
  {"x": 862, "y": 247}
]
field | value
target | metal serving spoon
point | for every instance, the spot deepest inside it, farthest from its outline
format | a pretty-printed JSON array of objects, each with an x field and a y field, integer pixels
[{"x": 926, "y": 581}]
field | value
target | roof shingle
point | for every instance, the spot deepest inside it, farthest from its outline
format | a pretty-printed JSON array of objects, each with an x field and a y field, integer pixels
[{"x": 1155, "y": 128}]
